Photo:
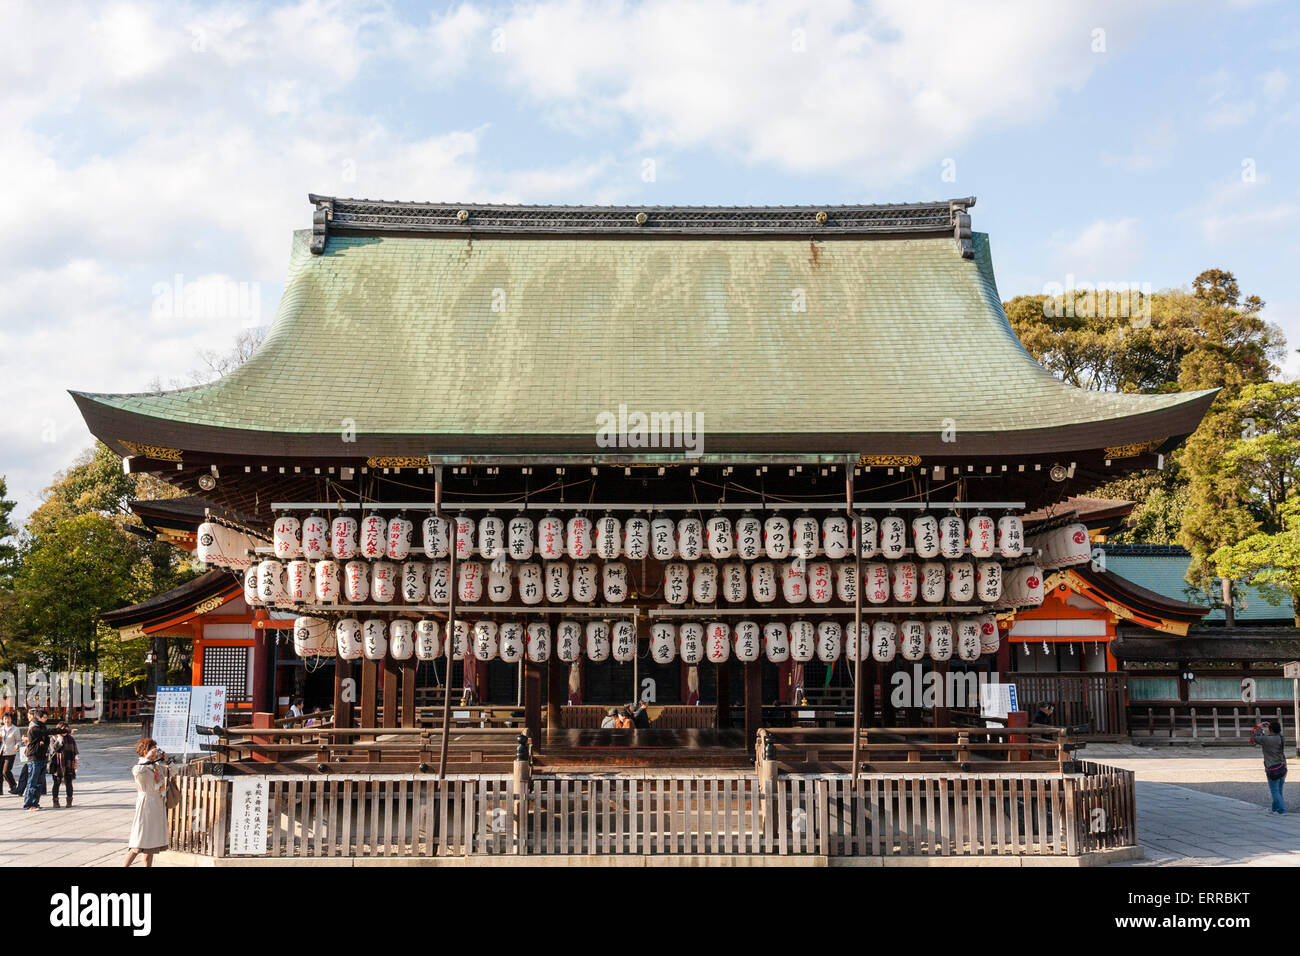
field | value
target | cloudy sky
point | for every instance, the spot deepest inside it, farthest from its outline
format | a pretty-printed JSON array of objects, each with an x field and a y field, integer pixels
[{"x": 147, "y": 147}]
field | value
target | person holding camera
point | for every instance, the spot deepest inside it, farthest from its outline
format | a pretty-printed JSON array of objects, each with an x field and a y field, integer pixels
[
  {"x": 1268, "y": 736},
  {"x": 37, "y": 749},
  {"x": 149, "y": 828}
]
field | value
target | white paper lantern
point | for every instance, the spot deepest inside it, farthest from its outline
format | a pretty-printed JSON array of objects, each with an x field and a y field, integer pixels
[
  {"x": 613, "y": 579},
  {"x": 512, "y": 642},
  {"x": 437, "y": 539},
  {"x": 734, "y": 589},
  {"x": 912, "y": 639},
  {"x": 690, "y": 639},
  {"x": 676, "y": 582},
  {"x": 464, "y": 537},
  {"x": 485, "y": 640},
  {"x": 309, "y": 636},
  {"x": 636, "y": 538},
  {"x": 846, "y": 582},
  {"x": 251, "y": 597},
  {"x": 519, "y": 537},
  {"x": 1029, "y": 585},
  {"x": 457, "y": 639},
  {"x": 952, "y": 536},
  {"x": 356, "y": 581},
  {"x": 401, "y": 639},
  {"x": 399, "y": 538},
  {"x": 208, "y": 544},
  {"x": 557, "y": 582},
  {"x": 875, "y": 582},
  {"x": 623, "y": 641},
  {"x": 577, "y": 537},
  {"x": 469, "y": 581},
  {"x": 690, "y": 538},
  {"x": 440, "y": 582},
  {"x": 762, "y": 581},
  {"x": 343, "y": 538},
  {"x": 499, "y": 590},
  {"x": 663, "y": 642},
  {"x": 568, "y": 641},
  {"x": 988, "y": 581},
  {"x": 529, "y": 578},
  {"x": 820, "y": 586},
  {"x": 988, "y": 633},
  {"x": 803, "y": 641},
  {"x": 961, "y": 581},
  {"x": 663, "y": 539},
  {"x": 1073, "y": 547},
  {"x": 428, "y": 640},
  {"x": 609, "y": 537},
  {"x": 776, "y": 642},
  {"x": 804, "y": 535},
  {"x": 288, "y": 544},
  {"x": 347, "y": 637},
  {"x": 981, "y": 534},
  {"x": 718, "y": 641},
  {"x": 749, "y": 537},
  {"x": 704, "y": 583},
  {"x": 491, "y": 537},
  {"x": 383, "y": 582},
  {"x": 598, "y": 646},
  {"x": 830, "y": 638},
  {"x": 794, "y": 583},
  {"x": 866, "y": 536},
  {"x": 925, "y": 536},
  {"x": 539, "y": 642},
  {"x": 776, "y": 537},
  {"x": 585, "y": 581},
  {"x": 271, "y": 583},
  {"x": 315, "y": 535},
  {"x": 851, "y": 647},
  {"x": 835, "y": 536},
  {"x": 374, "y": 639},
  {"x": 747, "y": 641},
  {"x": 934, "y": 582},
  {"x": 717, "y": 537},
  {"x": 1011, "y": 536},
  {"x": 903, "y": 578},
  {"x": 550, "y": 538},
  {"x": 301, "y": 584},
  {"x": 884, "y": 640},
  {"x": 373, "y": 542},
  {"x": 893, "y": 537},
  {"x": 968, "y": 638},
  {"x": 415, "y": 581},
  {"x": 940, "y": 635}
]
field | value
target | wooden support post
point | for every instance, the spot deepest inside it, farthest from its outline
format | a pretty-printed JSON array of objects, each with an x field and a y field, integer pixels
[
  {"x": 724, "y": 695},
  {"x": 344, "y": 680},
  {"x": 753, "y": 701},
  {"x": 391, "y": 688},
  {"x": 451, "y": 623},
  {"x": 369, "y": 691},
  {"x": 521, "y": 780},
  {"x": 557, "y": 692},
  {"x": 408, "y": 668},
  {"x": 533, "y": 691},
  {"x": 860, "y": 639},
  {"x": 942, "y": 717},
  {"x": 263, "y": 663}
]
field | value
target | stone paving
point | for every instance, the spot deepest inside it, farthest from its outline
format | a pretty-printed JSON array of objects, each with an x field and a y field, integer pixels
[{"x": 1196, "y": 806}]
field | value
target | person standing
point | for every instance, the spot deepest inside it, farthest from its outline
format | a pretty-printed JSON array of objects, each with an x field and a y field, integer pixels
[
  {"x": 37, "y": 750},
  {"x": 63, "y": 760},
  {"x": 1268, "y": 736},
  {"x": 149, "y": 828},
  {"x": 640, "y": 715},
  {"x": 11, "y": 739}
]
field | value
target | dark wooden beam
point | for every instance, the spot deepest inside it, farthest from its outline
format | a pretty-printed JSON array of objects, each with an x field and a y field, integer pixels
[
  {"x": 344, "y": 672},
  {"x": 408, "y": 669},
  {"x": 369, "y": 691},
  {"x": 391, "y": 688},
  {"x": 534, "y": 690},
  {"x": 724, "y": 695},
  {"x": 753, "y": 702}
]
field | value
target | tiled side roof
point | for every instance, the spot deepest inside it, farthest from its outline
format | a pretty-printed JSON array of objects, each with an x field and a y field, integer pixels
[{"x": 1163, "y": 568}]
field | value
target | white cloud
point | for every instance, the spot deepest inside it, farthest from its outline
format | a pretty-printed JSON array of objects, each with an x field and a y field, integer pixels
[{"x": 1103, "y": 251}]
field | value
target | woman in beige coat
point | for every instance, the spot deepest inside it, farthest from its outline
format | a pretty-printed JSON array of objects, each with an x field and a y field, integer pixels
[{"x": 149, "y": 829}]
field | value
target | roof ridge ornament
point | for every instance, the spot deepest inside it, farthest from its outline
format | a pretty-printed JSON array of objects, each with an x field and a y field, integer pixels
[
  {"x": 961, "y": 227},
  {"x": 320, "y": 220}
]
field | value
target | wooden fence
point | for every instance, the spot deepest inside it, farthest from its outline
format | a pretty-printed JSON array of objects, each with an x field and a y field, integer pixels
[
  {"x": 1203, "y": 722},
  {"x": 674, "y": 814},
  {"x": 1095, "y": 701}
]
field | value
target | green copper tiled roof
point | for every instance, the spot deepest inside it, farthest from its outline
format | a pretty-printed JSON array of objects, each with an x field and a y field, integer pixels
[
  {"x": 1163, "y": 570},
  {"x": 400, "y": 334}
]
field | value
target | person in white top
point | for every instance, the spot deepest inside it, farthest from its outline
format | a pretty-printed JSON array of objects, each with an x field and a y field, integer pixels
[
  {"x": 296, "y": 709},
  {"x": 10, "y": 739}
]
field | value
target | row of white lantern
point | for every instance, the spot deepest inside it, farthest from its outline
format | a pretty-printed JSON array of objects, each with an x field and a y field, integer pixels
[
  {"x": 637, "y": 538},
  {"x": 818, "y": 582},
  {"x": 1064, "y": 547},
  {"x": 716, "y": 641},
  {"x": 225, "y": 547}
]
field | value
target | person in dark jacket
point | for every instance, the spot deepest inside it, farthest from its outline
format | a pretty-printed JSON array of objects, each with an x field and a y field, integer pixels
[
  {"x": 1045, "y": 716},
  {"x": 1268, "y": 736},
  {"x": 640, "y": 715},
  {"x": 37, "y": 750},
  {"x": 63, "y": 760}
]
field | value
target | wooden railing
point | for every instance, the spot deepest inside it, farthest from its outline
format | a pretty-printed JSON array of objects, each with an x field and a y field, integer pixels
[
  {"x": 665, "y": 717},
  {"x": 919, "y": 749},
  {"x": 1204, "y": 721},
  {"x": 362, "y": 750},
  {"x": 674, "y": 814},
  {"x": 1093, "y": 703}
]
